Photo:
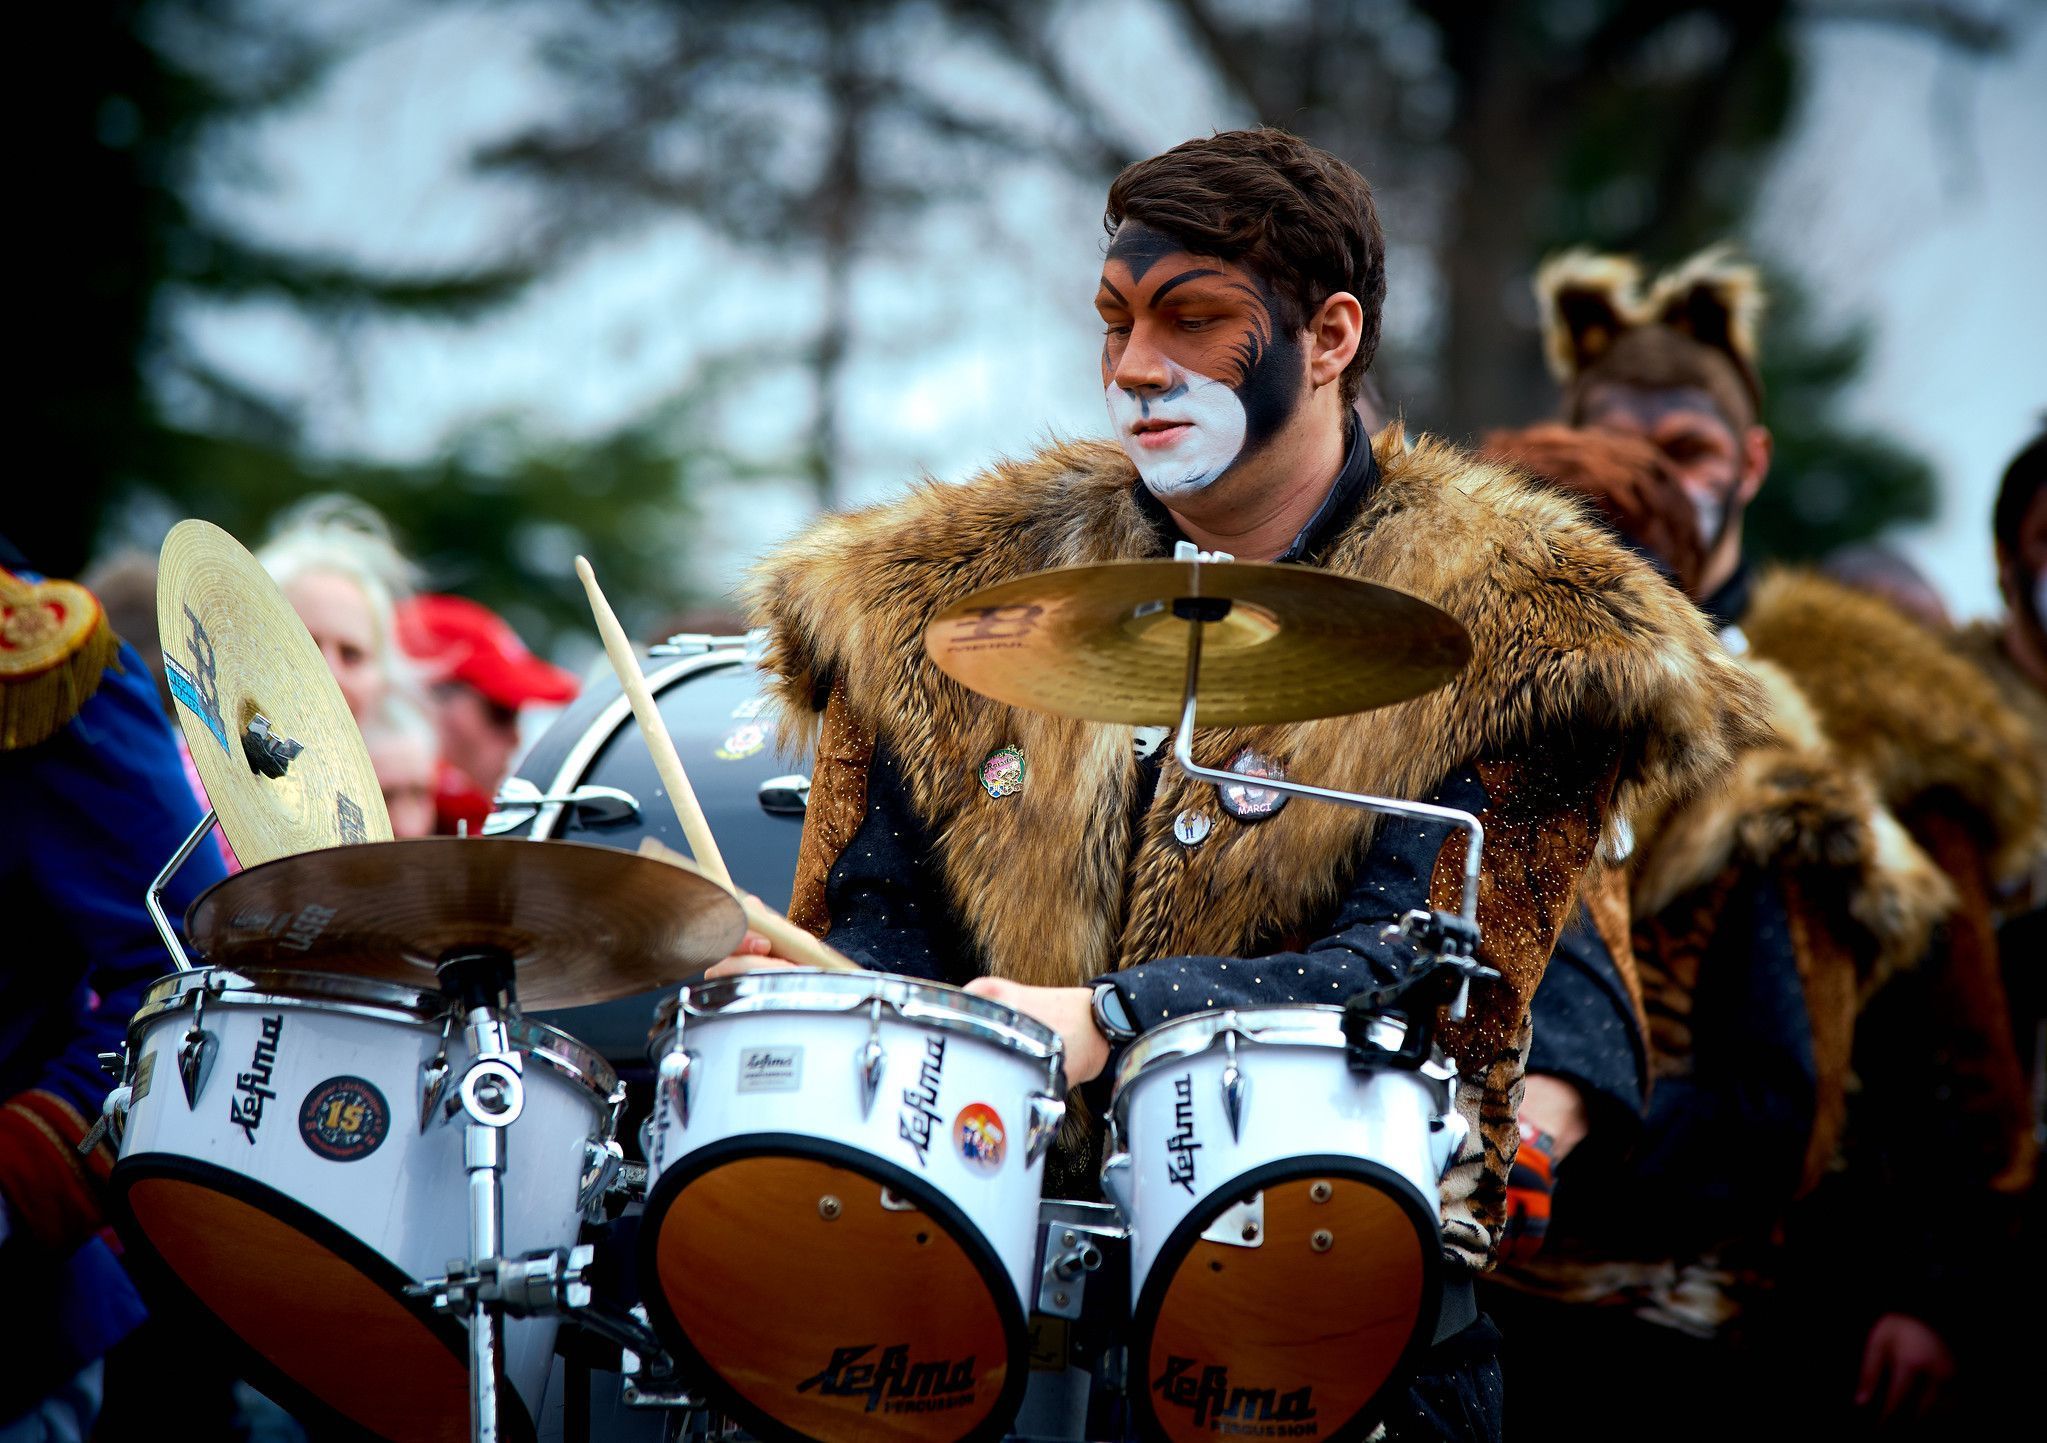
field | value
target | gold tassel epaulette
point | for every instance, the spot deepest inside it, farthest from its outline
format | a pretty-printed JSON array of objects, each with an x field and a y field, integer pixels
[{"x": 54, "y": 646}]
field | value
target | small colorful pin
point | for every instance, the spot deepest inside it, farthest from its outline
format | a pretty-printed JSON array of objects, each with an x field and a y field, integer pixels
[
  {"x": 1191, "y": 827},
  {"x": 1002, "y": 772}
]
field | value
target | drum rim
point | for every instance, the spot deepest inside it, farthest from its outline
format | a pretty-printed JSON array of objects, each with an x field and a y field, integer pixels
[
  {"x": 1428, "y": 1227},
  {"x": 915, "y": 1000},
  {"x": 1291, "y": 1024},
  {"x": 361, "y": 997},
  {"x": 274, "y": 1382},
  {"x": 930, "y": 1199}
]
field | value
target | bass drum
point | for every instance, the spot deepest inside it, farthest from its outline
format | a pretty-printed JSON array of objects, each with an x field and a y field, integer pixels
[{"x": 590, "y": 778}]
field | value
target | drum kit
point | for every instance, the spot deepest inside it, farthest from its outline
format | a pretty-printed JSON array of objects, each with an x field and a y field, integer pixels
[{"x": 344, "y": 1136}]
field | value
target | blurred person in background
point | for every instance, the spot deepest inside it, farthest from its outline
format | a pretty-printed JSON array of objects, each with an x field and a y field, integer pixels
[
  {"x": 92, "y": 803},
  {"x": 404, "y": 750},
  {"x": 480, "y": 676},
  {"x": 336, "y": 563},
  {"x": 1879, "y": 727},
  {"x": 1875, "y": 568}
]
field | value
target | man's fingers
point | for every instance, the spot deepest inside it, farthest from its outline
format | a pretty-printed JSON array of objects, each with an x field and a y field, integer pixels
[{"x": 1872, "y": 1373}]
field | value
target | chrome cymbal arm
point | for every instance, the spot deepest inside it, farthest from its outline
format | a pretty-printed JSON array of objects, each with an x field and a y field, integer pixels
[
  {"x": 153, "y": 898},
  {"x": 1198, "y": 612}
]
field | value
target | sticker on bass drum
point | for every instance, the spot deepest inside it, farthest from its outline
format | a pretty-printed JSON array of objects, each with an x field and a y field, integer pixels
[{"x": 344, "y": 1119}]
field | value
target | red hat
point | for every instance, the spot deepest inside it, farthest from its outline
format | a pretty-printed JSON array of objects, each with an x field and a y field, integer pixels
[{"x": 455, "y": 639}]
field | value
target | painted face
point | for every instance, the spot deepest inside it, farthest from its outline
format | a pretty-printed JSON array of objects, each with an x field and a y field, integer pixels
[
  {"x": 1685, "y": 426},
  {"x": 1197, "y": 366}
]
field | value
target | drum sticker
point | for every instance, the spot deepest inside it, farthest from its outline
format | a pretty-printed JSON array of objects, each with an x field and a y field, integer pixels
[
  {"x": 894, "y": 1384},
  {"x": 771, "y": 1069},
  {"x": 197, "y": 689},
  {"x": 920, "y": 1103},
  {"x": 252, "y": 1088},
  {"x": 749, "y": 709},
  {"x": 145, "y": 1074},
  {"x": 1238, "y": 1411},
  {"x": 1182, "y": 1144},
  {"x": 1002, "y": 772},
  {"x": 344, "y": 1119},
  {"x": 979, "y": 1135},
  {"x": 1248, "y": 803},
  {"x": 742, "y": 742}
]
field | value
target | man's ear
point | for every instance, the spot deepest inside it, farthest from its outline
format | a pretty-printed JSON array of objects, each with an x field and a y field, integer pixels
[
  {"x": 1333, "y": 335},
  {"x": 1756, "y": 449}
]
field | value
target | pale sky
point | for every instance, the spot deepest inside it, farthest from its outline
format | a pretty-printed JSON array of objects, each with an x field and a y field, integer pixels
[{"x": 1909, "y": 194}]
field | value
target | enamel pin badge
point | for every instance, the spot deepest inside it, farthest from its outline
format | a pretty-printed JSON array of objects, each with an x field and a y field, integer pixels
[
  {"x": 1002, "y": 772},
  {"x": 1249, "y": 803}
]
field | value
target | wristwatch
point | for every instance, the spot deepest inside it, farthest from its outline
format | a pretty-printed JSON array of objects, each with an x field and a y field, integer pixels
[{"x": 1112, "y": 1017}]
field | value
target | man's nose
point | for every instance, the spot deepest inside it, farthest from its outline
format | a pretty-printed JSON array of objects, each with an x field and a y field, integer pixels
[{"x": 1142, "y": 366}]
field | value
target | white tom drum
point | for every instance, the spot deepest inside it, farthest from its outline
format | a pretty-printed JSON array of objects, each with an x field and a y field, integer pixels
[
  {"x": 1282, "y": 1203},
  {"x": 841, "y": 1233},
  {"x": 310, "y": 1175}
]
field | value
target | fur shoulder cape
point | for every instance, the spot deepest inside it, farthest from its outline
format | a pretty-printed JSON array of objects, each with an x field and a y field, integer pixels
[
  {"x": 1574, "y": 642},
  {"x": 1903, "y": 707}
]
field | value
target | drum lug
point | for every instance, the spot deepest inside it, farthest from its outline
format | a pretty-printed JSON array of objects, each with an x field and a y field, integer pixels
[
  {"x": 1116, "y": 1179},
  {"x": 602, "y": 1163},
  {"x": 675, "y": 1082},
  {"x": 1047, "y": 1113},
  {"x": 872, "y": 1060},
  {"x": 195, "y": 1061},
  {"x": 433, "y": 1076},
  {"x": 1236, "y": 1088}
]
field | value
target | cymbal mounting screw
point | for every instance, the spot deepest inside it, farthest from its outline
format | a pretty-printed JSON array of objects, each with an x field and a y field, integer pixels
[
  {"x": 1320, "y": 1192},
  {"x": 1322, "y": 1240},
  {"x": 828, "y": 1208}
]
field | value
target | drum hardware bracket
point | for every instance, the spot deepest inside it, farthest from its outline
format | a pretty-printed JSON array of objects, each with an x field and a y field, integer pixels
[
  {"x": 1070, "y": 1254},
  {"x": 433, "y": 1076},
  {"x": 1047, "y": 1112},
  {"x": 648, "y": 1379},
  {"x": 524, "y": 1287},
  {"x": 196, "y": 1052},
  {"x": 518, "y": 801},
  {"x": 1240, "y": 1225},
  {"x": 152, "y": 900},
  {"x": 871, "y": 1060},
  {"x": 675, "y": 1074},
  {"x": 1236, "y": 1087},
  {"x": 113, "y": 1113},
  {"x": 785, "y": 796},
  {"x": 602, "y": 1164}
]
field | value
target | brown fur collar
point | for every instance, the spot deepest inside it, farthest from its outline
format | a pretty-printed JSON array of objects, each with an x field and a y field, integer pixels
[
  {"x": 1901, "y": 706},
  {"x": 1790, "y": 803},
  {"x": 1573, "y": 639}
]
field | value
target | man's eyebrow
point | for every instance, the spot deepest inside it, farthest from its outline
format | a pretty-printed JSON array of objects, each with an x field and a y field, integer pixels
[
  {"x": 1193, "y": 274},
  {"x": 1113, "y": 291}
]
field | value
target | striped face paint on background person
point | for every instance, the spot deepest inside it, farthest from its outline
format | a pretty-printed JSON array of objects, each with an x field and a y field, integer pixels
[{"x": 1198, "y": 365}]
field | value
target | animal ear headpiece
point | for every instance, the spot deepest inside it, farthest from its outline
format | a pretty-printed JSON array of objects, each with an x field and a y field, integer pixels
[{"x": 1695, "y": 325}]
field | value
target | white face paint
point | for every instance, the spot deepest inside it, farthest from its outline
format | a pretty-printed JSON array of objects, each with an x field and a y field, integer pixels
[{"x": 1182, "y": 438}]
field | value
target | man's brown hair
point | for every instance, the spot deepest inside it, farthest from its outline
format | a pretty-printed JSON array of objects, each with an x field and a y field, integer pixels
[{"x": 1298, "y": 216}]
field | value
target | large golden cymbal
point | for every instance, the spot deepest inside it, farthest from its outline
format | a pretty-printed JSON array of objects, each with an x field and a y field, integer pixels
[
  {"x": 1102, "y": 643},
  {"x": 236, "y": 651},
  {"x": 579, "y": 923}
]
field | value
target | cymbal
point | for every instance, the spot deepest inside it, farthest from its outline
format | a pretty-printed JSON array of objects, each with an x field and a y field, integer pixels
[
  {"x": 1102, "y": 643},
  {"x": 580, "y": 923},
  {"x": 249, "y": 683}
]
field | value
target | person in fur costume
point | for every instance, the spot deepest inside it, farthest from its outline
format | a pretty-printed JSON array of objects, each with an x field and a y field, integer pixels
[
  {"x": 1058, "y": 866},
  {"x": 1779, "y": 929}
]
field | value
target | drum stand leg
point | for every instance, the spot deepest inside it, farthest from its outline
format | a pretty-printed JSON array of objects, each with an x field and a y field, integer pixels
[{"x": 1453, "y": 944}]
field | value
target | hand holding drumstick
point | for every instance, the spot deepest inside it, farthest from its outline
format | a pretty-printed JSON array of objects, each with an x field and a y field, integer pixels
[{"x": 771, "y": 938}]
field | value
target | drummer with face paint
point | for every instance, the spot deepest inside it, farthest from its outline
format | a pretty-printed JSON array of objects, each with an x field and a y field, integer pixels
[{"x": 1062, "y": 868}]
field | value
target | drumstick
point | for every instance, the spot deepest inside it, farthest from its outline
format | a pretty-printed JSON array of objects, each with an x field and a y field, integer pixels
[{"x": 789, "y": 940}]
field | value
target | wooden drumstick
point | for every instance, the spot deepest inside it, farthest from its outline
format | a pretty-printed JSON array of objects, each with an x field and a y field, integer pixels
[{"x": 789, "y": 940}]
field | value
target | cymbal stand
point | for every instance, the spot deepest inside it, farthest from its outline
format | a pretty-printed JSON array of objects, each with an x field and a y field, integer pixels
[
  {"x": 1452, "y": 941},
  {"x": 152, "y": 900}
]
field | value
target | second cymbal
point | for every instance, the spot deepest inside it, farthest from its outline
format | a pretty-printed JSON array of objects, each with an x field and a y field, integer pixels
[
  {"x": 578, "y": 923},
  {"x": 1104, "y": 643}
]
